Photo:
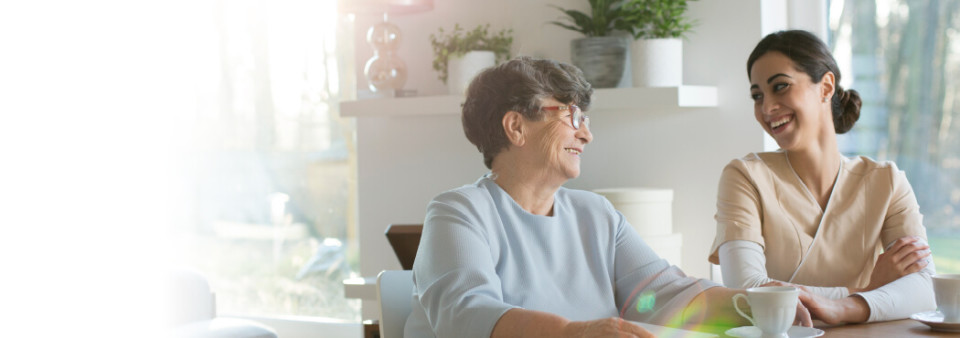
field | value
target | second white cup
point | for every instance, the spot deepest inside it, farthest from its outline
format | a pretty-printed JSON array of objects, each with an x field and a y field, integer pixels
[
  {"x": 947, "y": 289},
  {"x": 773, "y": 308}
]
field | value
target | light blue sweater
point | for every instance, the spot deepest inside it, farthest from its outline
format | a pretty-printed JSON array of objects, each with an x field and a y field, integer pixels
[{"x": 481, "y": 254}]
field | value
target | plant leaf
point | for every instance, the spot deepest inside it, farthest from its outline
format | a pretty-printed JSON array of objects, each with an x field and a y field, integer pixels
[{"x": 570, "y": 27}]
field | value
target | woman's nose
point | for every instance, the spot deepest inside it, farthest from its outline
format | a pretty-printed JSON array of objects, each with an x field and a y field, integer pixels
[
  {"x": 584, "y": 134},
  {"x": 770, "y": 106}
]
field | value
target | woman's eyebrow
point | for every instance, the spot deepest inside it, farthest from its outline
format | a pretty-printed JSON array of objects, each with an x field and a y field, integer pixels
[
  {"x": 754, "y": 86},
  {"x": 776, "y": 76}
]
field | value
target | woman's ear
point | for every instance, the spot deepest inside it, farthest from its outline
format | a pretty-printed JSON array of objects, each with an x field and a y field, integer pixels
[
  {"x": 827, "y": 86},
  {"x": 513, "y": 127}
]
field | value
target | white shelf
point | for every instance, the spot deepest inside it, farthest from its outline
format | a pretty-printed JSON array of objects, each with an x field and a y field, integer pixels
[
  {"x": 603, "y": 100},
  {"x": 420, "y": 105},
  {"x": 653, "y": 97}
]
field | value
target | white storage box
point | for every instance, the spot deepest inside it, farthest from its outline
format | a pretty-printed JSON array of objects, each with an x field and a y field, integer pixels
[{"x": 649, "y": 210}]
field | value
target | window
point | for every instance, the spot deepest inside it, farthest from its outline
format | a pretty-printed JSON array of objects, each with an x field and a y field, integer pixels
[
  {"x": 903, "y": 57},
  {"x": 271, "y": 163}
]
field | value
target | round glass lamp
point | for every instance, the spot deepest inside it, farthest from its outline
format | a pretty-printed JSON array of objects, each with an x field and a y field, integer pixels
[{"x": 385, "y": 70}]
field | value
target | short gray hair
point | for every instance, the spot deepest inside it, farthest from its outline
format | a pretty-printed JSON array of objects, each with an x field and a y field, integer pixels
[{"x": 517, "y": 85}]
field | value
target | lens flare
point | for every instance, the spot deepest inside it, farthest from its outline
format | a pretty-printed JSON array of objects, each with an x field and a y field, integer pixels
[
  {"x": 692, "y": 316},
  {"x": 646, "y": 301}
]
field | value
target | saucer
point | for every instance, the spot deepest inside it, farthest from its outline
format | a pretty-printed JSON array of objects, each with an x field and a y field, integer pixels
[
  {"x": 793, "y": 332},
  {"x": 934, "y": 319}
]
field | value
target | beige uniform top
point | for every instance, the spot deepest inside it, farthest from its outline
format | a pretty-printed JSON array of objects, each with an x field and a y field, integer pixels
[{"x": 761, "y": 199}]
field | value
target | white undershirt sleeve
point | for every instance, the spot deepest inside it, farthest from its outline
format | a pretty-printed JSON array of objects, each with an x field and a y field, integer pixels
[
  {"x": 743, "y": 265},
  {"x": 903, "y": 297}
]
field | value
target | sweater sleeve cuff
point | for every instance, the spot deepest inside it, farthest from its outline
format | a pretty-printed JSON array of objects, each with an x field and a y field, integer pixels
[{"x": 485, "y": 320}]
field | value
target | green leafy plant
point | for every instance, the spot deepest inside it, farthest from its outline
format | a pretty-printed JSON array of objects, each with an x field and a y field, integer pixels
[
  {"x": 458, "y": 42},
  {"x": 606, "y": 17},
  {"x": 657, "y": 19}
]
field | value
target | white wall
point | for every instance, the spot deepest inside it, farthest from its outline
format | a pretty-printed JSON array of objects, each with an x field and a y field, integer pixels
[
  {"x": 405, "y": 161},
  {"x": 809, "y": 15}
]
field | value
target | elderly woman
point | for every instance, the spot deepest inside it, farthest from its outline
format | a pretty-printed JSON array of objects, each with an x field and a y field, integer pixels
[
  {"x": 805, "y": 215},
  {"x": 516, "y": 254}
]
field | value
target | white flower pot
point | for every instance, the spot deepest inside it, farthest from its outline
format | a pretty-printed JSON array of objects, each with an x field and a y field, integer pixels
[
  {"x": 657, "y": 62},
  {"x": 461, "y": 70}
]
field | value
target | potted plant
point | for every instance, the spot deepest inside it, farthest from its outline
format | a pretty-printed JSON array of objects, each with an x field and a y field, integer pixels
[
  {"x": 657, "y": 50},
  {"x": 460, "y": 54},
  {"x": 601, "y": 55}
]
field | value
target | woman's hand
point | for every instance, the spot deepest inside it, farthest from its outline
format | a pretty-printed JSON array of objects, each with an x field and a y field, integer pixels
[
  {"x": 852, "y": 309},
  {"x": 607, "y": 327},
  {"x": 803, "y": 317},
  {"x": 822, "y": 308},
  {"x": 906, "y": 256}
]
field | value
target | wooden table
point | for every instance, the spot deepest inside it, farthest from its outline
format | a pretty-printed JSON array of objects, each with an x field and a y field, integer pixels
[{"x": 896, "y": 328}]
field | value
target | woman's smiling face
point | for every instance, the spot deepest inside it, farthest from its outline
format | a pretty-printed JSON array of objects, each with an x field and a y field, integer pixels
[
  {"x": 559, "y": 144},
  {"x": 787, "y": 103}
]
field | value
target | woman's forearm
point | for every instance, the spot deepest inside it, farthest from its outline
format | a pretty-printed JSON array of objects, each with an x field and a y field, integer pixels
[
  {"x": 528, "y": 323},
  {"x": 855, "y": 309},
  {"x": 744, "y": 266},
  {"x": 901, "y": 298}
]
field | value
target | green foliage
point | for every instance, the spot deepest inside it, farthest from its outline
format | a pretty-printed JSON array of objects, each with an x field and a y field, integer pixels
[
  {"x": 657, "y": 19},
  {"x": 606, "y": 17},
  {"x": 459, "y": 41}
]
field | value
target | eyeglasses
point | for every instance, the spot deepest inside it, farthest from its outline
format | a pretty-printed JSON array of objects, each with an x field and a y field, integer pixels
[{"x": 577, "y": 118}]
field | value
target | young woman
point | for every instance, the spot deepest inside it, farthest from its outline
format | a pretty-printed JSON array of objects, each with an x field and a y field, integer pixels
[{"x": 806, "y": 215}]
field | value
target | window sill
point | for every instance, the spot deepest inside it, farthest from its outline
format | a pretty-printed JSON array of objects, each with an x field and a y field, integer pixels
[{"x": 308, "y": 327}]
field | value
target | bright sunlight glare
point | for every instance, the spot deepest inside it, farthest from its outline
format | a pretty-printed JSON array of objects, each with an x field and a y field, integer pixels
[{"x": 94, "y": 112}]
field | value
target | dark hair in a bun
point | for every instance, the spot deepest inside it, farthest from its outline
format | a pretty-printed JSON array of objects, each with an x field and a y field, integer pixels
[
  {"x": 812, "y": 57},
  {"x": 846, "y": 109}
]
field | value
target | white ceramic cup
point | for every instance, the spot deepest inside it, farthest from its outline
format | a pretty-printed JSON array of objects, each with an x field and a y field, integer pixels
[
  {"x": 947, "y": 288},
  {"x": 773, "y": 307}
]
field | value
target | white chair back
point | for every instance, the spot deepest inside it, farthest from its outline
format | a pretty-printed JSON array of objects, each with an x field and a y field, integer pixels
[{"x": 394, "y": 294}]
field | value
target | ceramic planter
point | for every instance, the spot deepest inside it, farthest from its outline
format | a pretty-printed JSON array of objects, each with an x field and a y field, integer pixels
[
  {"x": 657, "y": 62},
  {"x": 602, "y": 59}
]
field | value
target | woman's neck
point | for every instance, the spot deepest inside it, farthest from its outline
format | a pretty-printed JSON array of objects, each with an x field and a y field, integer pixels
[
  {"x": 530, "y": 189},
  {"x": 817, "y": 167}
]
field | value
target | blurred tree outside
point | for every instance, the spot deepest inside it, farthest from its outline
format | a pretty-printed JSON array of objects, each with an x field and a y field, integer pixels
[
  {"x": 904, "y": 59},
  {"x": 271, "y": 166}
]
